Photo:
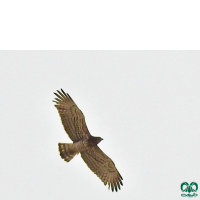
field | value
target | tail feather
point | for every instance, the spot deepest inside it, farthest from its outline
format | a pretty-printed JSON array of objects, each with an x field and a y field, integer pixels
[{"x": 67, "y": 151}]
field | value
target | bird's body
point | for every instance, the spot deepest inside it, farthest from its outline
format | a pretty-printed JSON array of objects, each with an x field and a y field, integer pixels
[
  {"x": 84, "y": 143},
  {"x": 68, "y": 151}
]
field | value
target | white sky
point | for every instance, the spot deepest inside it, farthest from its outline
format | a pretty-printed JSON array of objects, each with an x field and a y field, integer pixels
[{"x": 145, "y": 104}]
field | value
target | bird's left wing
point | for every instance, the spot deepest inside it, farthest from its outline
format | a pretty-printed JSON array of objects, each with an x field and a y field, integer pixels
[
  {"x": 71, "y": 116},
  {"x": 103, "y": 167}
]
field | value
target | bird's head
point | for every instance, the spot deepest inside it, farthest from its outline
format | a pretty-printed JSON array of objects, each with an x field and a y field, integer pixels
[{"x": 98, "y": 139}]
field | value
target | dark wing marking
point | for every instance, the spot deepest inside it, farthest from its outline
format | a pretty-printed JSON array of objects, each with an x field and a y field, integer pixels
[
  {"x": 103, "y": 167},
  {"x": 71, "y": 116}
]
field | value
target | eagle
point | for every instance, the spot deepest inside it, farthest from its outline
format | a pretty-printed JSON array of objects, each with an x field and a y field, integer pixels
[{"x": 84, "y": 143}]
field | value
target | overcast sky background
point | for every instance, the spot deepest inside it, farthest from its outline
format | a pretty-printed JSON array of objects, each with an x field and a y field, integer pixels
[{"x": 145, "y": 104}]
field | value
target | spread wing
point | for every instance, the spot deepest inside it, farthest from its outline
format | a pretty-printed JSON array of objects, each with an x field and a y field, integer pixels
[
  {"x": 71, "y": 116},
  {"x": 103, "y": 167}
]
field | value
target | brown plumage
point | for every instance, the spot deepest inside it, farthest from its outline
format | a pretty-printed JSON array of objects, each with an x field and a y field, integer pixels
[{"x": 84, "y": 143}]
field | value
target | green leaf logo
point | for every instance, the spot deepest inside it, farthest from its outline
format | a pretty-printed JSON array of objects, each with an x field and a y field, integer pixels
[{"x": 192, "y": 187}]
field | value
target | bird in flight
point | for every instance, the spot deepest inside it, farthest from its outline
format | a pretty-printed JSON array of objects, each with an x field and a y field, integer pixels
[{"x": 84, "y": 143}]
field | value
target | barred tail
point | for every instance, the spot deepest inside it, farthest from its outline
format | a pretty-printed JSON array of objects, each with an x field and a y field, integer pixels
[{"x": 67, "y": 151}]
